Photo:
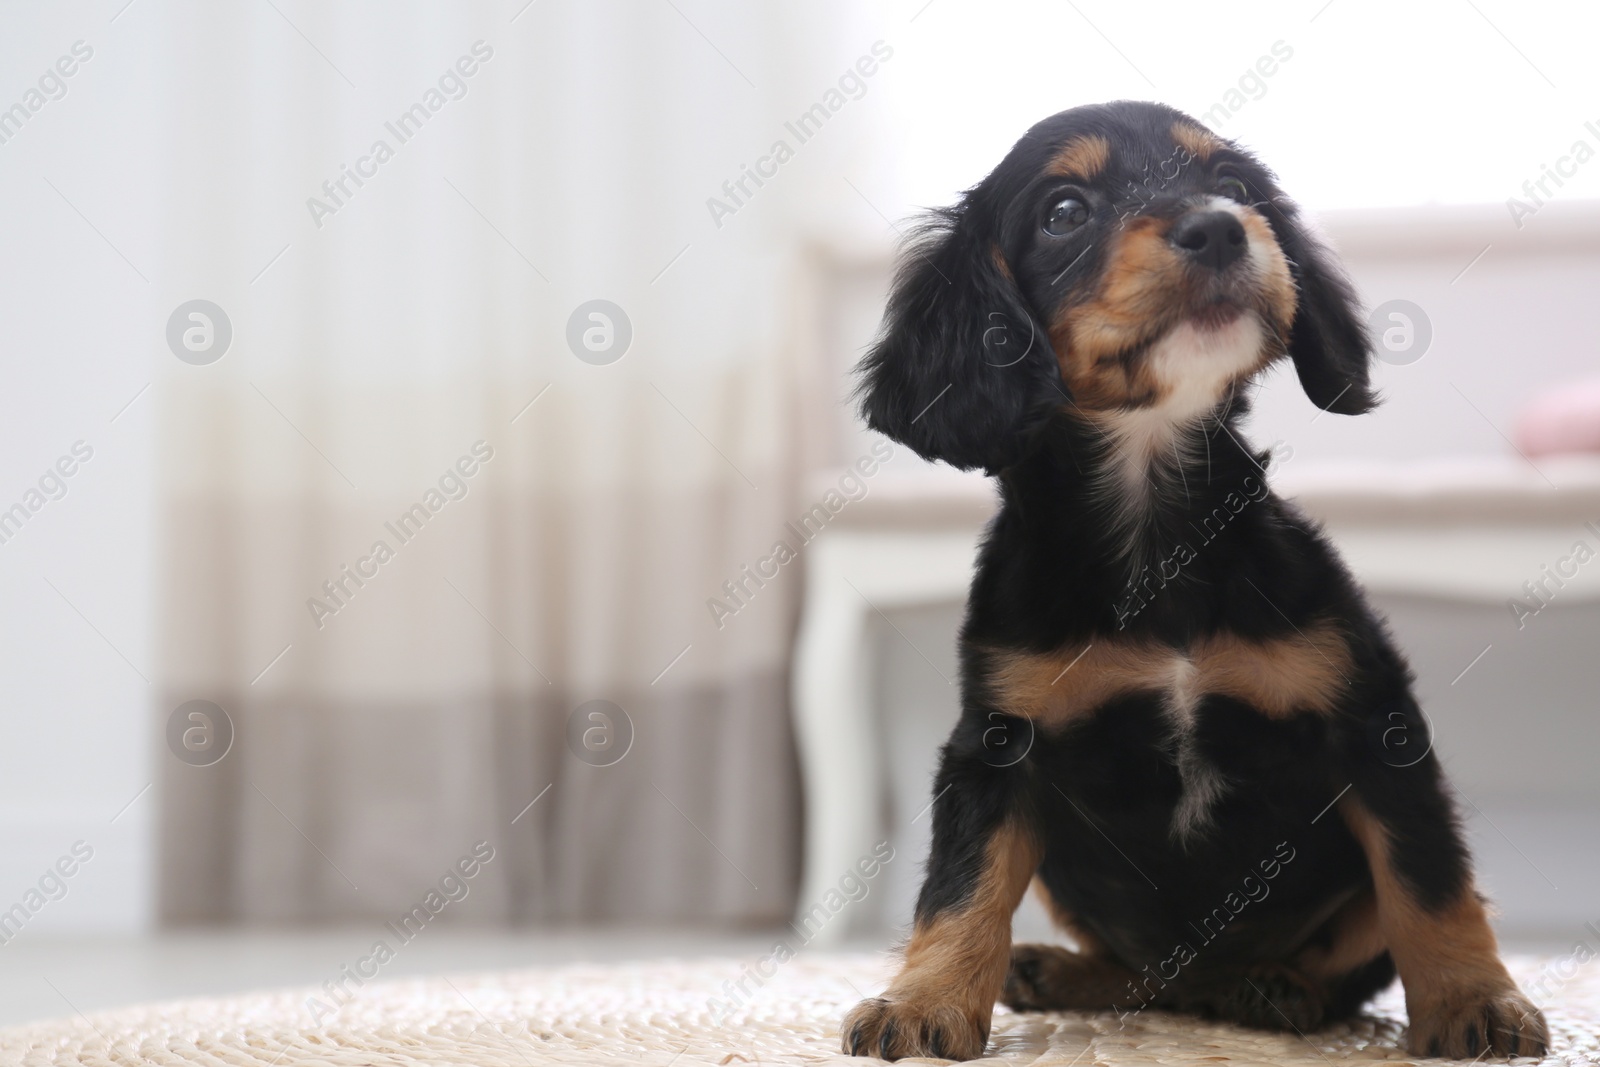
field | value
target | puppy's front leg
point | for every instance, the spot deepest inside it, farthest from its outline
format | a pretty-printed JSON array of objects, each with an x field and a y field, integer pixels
[
  {"x": 1460, "y": 999},
  {"x": 983, "y": 857}
]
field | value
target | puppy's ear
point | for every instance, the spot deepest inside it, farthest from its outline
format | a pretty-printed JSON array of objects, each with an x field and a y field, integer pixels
[
  {"x": 962, "y": 371},
  {"x": 1328, "y": 341}
]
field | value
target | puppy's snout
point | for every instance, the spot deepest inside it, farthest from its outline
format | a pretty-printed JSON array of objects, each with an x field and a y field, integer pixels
[{"x": 1212, "y": 239}]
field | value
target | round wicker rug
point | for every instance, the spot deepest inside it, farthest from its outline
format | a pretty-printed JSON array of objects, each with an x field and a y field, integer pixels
[{"x": 659, "y": 1014}]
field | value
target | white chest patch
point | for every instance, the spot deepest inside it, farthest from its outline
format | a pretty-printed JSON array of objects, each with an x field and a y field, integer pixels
[{"x": 1203, "y": 784}]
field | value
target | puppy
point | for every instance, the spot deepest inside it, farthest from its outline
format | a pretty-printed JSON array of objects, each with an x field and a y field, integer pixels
[{"x": 1180, "y": 719}]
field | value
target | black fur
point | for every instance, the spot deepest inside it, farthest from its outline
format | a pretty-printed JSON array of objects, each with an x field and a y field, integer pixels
[{"x": 965, "y": 372}]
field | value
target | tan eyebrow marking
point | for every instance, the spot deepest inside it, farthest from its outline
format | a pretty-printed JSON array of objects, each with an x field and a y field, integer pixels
[
  {"x": 1196, "y": 140},
  {"x": 1081, "y": 157}
]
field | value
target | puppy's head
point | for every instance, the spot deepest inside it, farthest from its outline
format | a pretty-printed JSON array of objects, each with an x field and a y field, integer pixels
[{"x": 1121, "y": 258}]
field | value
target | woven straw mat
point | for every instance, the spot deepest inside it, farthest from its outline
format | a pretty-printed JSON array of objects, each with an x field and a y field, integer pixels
[{"x": 657, "y": 1014}]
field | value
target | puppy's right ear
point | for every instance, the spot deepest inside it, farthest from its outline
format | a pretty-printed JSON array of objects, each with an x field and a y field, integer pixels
[{"x": 963, "y": 371}]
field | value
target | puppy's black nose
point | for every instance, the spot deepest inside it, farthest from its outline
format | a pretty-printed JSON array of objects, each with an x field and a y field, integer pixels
[{"x": 1212, "y": 239}]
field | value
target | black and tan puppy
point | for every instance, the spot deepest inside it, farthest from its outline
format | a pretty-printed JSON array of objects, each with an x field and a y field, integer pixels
[{"x": 1180, "y": 718}]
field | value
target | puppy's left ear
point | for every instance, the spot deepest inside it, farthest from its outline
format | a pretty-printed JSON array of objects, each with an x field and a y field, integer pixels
[{"x": 1328, "y": 341}]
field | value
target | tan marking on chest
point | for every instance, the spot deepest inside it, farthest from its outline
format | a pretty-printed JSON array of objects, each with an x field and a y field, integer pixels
[{"x": 1280, "y": 677}]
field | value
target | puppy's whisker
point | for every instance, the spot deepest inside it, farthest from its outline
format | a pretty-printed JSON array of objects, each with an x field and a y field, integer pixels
[{"x": 1177, "y": 461}]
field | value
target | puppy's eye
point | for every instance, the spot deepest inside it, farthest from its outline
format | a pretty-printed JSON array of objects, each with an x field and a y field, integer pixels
[
  {"x": 1234, "y": 189},
  {"x": 1068, "y": 214}
]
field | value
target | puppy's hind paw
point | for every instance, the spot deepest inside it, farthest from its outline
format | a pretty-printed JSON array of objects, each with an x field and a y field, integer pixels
[
  {"x": 1028, "y": 981},
  {"x": 1280, "y": 998},
  {"x": 1265, "y": 998},
  {"x": 1052, "y": 978}
]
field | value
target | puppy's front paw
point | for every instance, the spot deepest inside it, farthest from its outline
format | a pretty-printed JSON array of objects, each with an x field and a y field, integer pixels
[
  {"x": 1462, "y": 1027},
  {"x": 893, "y": 1029}
]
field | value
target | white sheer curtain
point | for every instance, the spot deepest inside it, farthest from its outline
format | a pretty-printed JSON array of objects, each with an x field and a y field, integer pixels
[{"x": 383, "y": 333}]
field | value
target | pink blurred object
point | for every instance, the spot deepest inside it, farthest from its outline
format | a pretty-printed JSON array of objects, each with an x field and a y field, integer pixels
[{"x": 1562, "y": 420}]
